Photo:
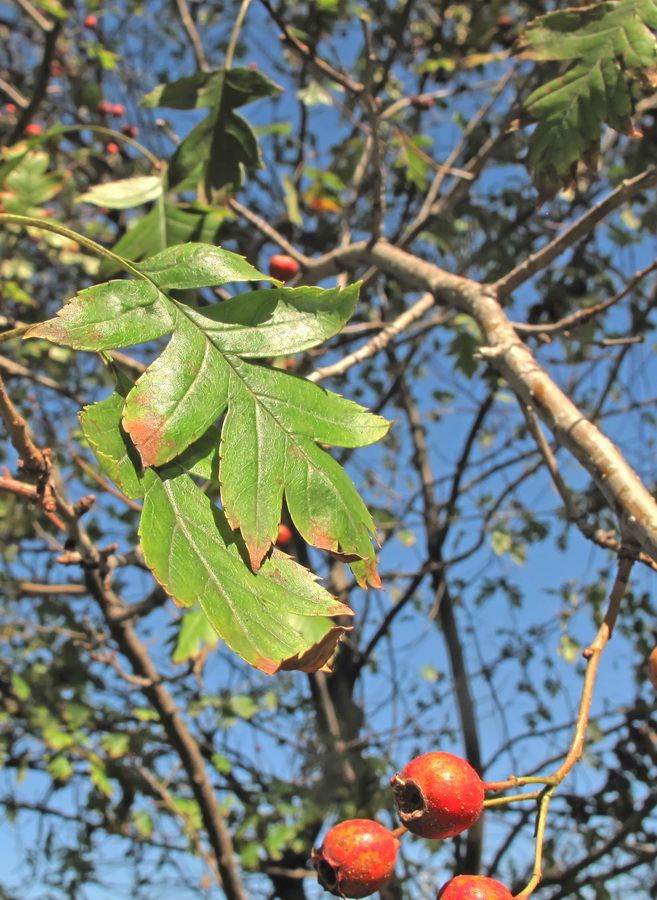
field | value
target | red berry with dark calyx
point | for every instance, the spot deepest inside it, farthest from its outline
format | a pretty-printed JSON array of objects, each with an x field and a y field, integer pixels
[
  {"x": 117, "y": 110},
  {"x": 129, "y": 130},
  {"x": 504, "y": 23},
  {"x": 474, "y": 887},
  {"x": 438, "y": 795},
  {"x": 105, "y": 107},
  {"x": 357, "y": 858},
  {"x": 284, "y": 535},
  {"x": 283, "y": 267}
]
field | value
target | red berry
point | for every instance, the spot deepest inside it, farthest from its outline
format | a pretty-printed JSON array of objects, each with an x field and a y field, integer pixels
[
  {"x": 356, "y": 858},
  {"x": 438, "y": 795},
  {"x": 105, "y": 107},
  {"x": 90, "y": 21},
  {"x": 284, "y": 536},
  {"x": 473, "y": 887},
  {"x": 10, "y": 108},
  {"x": 504, "y": 23},
  {"x": 117, "y": 110},
  {"x": 283, "y": 267},
  {"x": 130, "y": 131},
  {"x": 33, "y": 128},
  {"x": 112, "y": 148}
]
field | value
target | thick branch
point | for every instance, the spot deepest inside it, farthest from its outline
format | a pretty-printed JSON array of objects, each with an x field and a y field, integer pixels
[{"x": 513, "y": 359}]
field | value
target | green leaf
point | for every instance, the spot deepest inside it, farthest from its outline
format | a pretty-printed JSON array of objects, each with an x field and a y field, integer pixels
[
  {"x": 200, "y": 90},
  {"x": 101, "y": 426},
  {"x": 60, "y": 768},
  {"x": 194, "y": 634},
  {"x": 223, "y": 143},
  {"x": 124, "y": 194},
  {"x": 197, "y": 266},
  {"x": 197, "y": 558},
  {"x": 274, "y": 420},
  {"x": 611, "y": 50},
  {"x": 99, "y": 777}
]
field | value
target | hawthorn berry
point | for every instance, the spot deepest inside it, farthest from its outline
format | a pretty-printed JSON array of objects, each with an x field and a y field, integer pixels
[
  {"x": 10, "y": 108},
  {"x": 105, "y": 107},
  {"x": 112, "y": 148},
  {"x": 284, "y": 535},
  {"x": 33, "y": 128},
  {"x": 438, "y": 795},
  {"x": 504, "y": 23},
  {"x": 357, "y": 858},
  {"x": 117, "y": 110},
  {"x": 474, "y": 887},
  {"x": 283, "y": 267},
  {"x": 129, "y": 130},
  {"x": 90, "y": 21}
]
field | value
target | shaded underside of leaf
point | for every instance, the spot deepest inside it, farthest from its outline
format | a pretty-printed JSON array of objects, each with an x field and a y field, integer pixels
[{"x": 101, "y": 426}]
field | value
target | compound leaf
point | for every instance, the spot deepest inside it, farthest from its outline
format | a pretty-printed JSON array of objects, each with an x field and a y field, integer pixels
[
  {"x": 609, "y": 51},
  {"x": 274, "y": 420}
]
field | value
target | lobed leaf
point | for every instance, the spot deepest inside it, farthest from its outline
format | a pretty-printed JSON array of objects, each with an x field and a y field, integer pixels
[{"x": 611, "y": 49}]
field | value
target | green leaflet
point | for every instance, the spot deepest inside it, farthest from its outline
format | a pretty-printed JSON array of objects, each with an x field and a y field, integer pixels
[{"x": 195, "y": 556}]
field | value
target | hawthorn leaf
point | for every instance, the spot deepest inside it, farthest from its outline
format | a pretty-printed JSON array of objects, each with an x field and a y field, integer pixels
[
  {"x": 124, "y": 194},
  {"x": 196, "y": 266},
  {"x": 611, "y": 51},
  {"x": 195, "y": 556},
  {"x": 223, "y": 144},
  {"x": 273, "y": 420},
  {"x": 197, "y": 91}
]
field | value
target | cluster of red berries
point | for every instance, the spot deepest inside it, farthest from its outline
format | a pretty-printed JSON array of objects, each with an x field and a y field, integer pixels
[{"x": 437, "y": 795}]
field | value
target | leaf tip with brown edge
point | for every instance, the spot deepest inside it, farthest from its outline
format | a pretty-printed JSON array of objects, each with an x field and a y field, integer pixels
[{"x": 316, "y": 657}]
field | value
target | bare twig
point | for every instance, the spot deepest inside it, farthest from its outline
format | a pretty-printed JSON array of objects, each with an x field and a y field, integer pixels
[
  {"x": 193, "y": 35},
  {"x": 586, "y": 223}
]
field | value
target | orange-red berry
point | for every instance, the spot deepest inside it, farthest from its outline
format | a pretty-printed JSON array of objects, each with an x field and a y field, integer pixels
[
  {"x": 283, "y": 267},
  {"x": 504, "y": 23},
  {"x": 10, "y": 108},
  {"x": 112, "y": 148},
  {"x": 117, "y": 110},
  {"x": 357, "y": 858},
  {"x": 474, "y": 887},
  {"x": 90, "y": 21},
  {"x": 438, "y": 795},
  {"x": 33, "y": 128},
  {"x": 284, "y": 535}
]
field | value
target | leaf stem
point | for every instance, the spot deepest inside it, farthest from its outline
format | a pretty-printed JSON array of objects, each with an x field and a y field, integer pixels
[
  {"x": 56, "y": 228},
  {"x": 237, "y": 27}
]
